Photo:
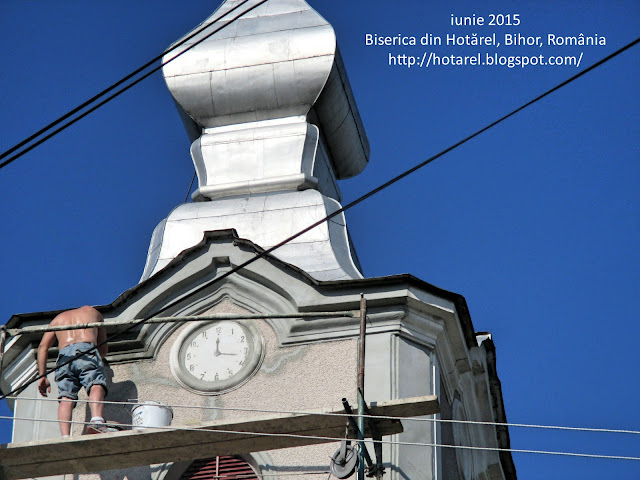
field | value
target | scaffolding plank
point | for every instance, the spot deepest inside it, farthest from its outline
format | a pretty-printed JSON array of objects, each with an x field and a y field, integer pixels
[{"x": 131, "y": 448}]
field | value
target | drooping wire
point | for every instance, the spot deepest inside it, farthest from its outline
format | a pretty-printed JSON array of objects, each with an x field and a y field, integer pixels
[
  {"x": 115, "y": 85},
  {"x": 116, "y": 94},
  {"x": 214, "y": 477},
  {"x": 336, "y": 414},
  {"x": 369, "y": 440},
  {"x": 190, "y": 186},
  {"x": 339, "y": 211}
]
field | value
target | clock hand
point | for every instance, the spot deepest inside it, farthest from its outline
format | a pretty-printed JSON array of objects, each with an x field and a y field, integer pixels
[{"x": 217, "y": 352}]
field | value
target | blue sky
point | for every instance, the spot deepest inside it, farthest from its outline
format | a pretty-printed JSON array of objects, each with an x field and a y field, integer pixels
[{"x": 534, "y": 222}]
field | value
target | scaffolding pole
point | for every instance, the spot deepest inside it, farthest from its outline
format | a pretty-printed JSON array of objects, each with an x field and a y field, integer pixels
[{"x": 360, "y": 389}]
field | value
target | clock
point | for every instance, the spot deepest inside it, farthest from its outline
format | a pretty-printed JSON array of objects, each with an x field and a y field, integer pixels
[{"x": 213, "y": 357}]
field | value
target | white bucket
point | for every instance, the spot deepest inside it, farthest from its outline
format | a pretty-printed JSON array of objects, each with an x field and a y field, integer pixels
[{"x": 151, "y": 414}]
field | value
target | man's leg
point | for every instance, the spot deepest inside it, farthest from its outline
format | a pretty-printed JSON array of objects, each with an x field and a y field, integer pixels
[
  {"x": 65, "y": 411},
  {"x": 96, "y": 396},
  {"x": 94, "y": 381}
]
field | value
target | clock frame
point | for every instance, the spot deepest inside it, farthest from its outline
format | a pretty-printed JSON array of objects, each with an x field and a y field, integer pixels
[{"x": 215, "y": 356}]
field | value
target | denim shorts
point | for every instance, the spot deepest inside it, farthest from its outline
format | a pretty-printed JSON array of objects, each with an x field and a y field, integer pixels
[{"x": 84, "y": 371}]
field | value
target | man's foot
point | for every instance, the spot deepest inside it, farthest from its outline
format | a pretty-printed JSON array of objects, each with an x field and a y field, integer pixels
[{"x": 97, "y": 428}]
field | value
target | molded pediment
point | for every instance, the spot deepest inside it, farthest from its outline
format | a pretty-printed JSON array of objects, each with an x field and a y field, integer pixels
[
  {"x": 409, "y": 322},
  {"x": 198, "y": 279}
]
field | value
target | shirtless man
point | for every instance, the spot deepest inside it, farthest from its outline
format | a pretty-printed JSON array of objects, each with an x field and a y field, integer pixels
[{"x": 87, "y": 370}]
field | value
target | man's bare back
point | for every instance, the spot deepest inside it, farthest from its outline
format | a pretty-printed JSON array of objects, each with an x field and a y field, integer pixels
[{"x": 78, "y": 316}]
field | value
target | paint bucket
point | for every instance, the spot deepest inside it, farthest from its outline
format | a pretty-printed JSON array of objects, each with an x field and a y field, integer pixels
[{"x": 151, "y": 414}]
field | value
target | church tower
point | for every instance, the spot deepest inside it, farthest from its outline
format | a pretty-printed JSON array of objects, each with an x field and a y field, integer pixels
[{"x": 259, "y": 353}]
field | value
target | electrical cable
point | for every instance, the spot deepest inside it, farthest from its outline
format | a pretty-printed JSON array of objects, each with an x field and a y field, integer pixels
[
  {"x": 335, "y": 414},
  {"x": 81, "y": 353},
  {"x": 121, "y": 91},
  {"x": 235, "y": 477},
  {"x": 339, "y": 439},
  {"x": 240, "y": 476},
  {"x": 353, "y": 203},
  {"x": 193, "y": 178},
  {"x": 13, "y": 332},
  {"x": 117, "y": 84}
]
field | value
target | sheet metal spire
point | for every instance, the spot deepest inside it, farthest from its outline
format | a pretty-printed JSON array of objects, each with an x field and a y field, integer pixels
[{"x": 273, "y": 123}]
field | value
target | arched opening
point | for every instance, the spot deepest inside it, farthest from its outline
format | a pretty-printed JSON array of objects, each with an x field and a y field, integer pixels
[{"x": 219, "y": 468}]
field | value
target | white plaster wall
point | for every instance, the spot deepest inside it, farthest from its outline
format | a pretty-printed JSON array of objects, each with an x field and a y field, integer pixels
[{"x": 44, "y": 410}]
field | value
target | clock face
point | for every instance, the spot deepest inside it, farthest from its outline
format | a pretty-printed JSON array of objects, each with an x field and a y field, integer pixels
[{"x": 213, "y": 357}]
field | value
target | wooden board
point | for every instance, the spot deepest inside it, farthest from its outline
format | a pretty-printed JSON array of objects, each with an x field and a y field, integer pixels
[{"x": 131, "y": 448}]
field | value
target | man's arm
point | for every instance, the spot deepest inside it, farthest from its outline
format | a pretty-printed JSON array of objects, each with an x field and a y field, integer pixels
[{"x": 48, "y": 339}]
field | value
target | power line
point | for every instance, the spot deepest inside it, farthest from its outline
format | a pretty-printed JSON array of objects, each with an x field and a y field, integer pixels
[
  {"x": 235, "y": 477},
  {"x": 186, "y": 318},
  {"x": 186, "y": 197},
  {"x": 339, "y": 211},
  {"x": 6, "y": 162},
  {"x": 117, "y": 93},
  {"x": 240, "y": 476},
  {"x": 335, "y": 414},
  {"x": 113, "y": 86},
  {"x": 383, "y": 442}
]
